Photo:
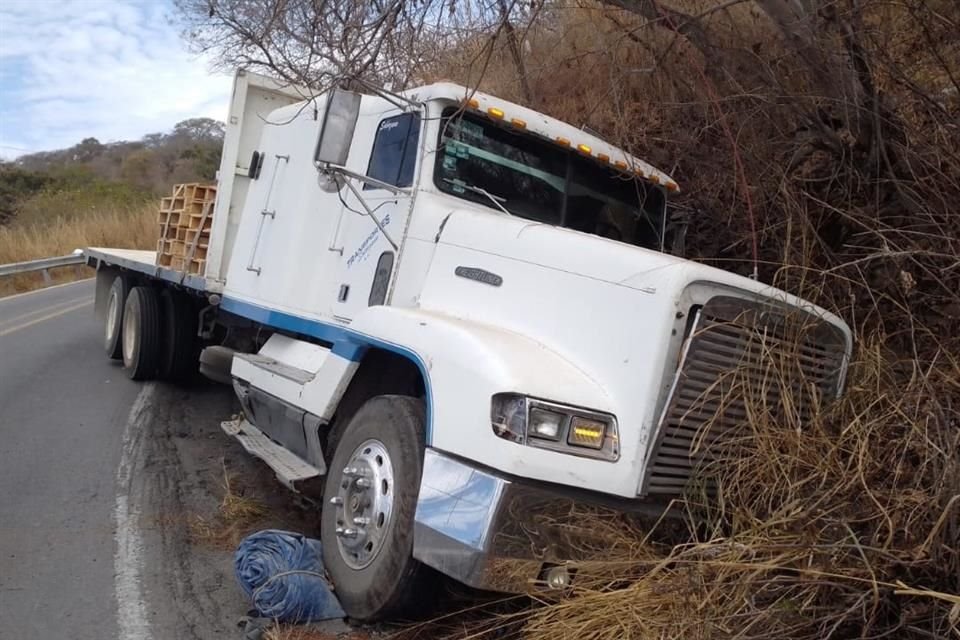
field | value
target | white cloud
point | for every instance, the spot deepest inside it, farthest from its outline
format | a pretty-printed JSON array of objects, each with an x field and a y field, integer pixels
[{"x": 71, "y": 69}]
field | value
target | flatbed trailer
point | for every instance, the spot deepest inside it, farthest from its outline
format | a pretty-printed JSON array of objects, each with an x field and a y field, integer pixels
[{"x": 144, "y": 262}]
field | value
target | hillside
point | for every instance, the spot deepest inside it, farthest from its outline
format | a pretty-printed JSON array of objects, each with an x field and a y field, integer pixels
[
  {"x": 116, "y": 173},
  {"x": 97, "y": 194}
]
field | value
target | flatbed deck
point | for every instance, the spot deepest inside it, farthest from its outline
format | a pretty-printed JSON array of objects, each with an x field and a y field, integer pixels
[{"x": 145, "y": 262}]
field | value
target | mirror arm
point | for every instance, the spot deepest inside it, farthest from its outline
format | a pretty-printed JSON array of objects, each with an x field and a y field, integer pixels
[
  {"x": 376, "y": 221},
  {"x": 386, "y": 186}
]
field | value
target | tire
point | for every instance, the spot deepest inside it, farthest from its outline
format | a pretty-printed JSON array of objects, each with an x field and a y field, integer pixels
[
  {"x": 141, "y": 333},
  {"x": 374, "y": 573},
  {"x": 113, "y": 318},
  {"x": 180, "y": 348},
  {"x": 215, "y": 364}
]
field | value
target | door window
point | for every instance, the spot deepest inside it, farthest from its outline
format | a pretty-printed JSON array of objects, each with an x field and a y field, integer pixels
[{"x": 394, "y": 155}]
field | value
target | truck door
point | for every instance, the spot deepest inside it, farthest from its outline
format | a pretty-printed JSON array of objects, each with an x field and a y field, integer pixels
[{"x": 368, "y": 258}]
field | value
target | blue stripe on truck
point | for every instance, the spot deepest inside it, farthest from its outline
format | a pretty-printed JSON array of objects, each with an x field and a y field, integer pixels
[{"x": 347, "y": 344}]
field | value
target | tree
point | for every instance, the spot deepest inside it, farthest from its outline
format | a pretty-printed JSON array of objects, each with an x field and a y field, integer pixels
[
  {"x": 310, "y": 42},
  {"x": 88, "y": 149},
  {"x": 199, "y": 130}
]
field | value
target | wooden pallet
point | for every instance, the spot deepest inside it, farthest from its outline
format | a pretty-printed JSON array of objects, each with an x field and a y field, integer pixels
[{"x": 185, "y": 220}]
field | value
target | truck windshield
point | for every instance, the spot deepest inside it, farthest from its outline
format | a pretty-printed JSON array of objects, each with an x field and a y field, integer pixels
[{"x": 534, "y": 179}]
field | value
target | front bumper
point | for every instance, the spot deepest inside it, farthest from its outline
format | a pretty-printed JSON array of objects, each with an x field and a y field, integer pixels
[{"x": 494, "y": 532}]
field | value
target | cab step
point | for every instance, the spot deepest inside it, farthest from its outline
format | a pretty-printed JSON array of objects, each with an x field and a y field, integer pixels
[
  {"x": 292, "y": 470},
  {"x": 277, "y": 368}
]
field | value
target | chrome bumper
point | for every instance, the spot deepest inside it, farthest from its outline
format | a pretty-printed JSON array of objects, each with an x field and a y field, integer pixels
[{"x": 492, "y": 532}]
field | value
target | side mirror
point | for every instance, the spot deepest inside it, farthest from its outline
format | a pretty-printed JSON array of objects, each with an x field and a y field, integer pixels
[{"x": 336, "y": 130}]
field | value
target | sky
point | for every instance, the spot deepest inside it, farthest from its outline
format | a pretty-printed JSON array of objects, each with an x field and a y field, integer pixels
[{"x": 108, "y": 69}]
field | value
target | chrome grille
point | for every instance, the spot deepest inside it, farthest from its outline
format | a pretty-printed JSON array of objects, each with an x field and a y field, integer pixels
[{"x": 741, "y": 359}]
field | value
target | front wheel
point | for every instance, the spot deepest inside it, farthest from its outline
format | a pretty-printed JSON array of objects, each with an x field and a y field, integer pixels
[{"x": 369, "y": 504}]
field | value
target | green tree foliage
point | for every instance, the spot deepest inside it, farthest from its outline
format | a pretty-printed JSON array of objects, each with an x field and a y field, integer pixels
[
  {"x": 71, "y": 181},
  {"x": 15, "y": 185}
]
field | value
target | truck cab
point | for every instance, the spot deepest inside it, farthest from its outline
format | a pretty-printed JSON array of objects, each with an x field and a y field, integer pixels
[{"x": 462, "y": 322}]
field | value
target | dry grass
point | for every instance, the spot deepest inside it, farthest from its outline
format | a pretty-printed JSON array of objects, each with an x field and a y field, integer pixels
[
  {"x": 813, "y": 532},
  {"x": 848, "y": 525},
  {"x": 299, "y": 632},
  {"x": 131, "y": 228},
  {"x": 235, "y": 518}
]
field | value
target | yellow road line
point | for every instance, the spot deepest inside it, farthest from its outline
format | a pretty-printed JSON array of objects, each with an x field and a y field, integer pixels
[
  {"x": 24, "y": 316},
  {"x": 49, "y": 316}
]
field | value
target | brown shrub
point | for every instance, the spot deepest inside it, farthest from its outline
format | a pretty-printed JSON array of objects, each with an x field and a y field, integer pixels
[
  {"x": 106, "y": 227},
  {"x": 834, "y": 151}
]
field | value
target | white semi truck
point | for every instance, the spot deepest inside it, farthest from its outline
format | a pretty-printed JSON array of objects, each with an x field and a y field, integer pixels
[{"x": 455, "y": 319}]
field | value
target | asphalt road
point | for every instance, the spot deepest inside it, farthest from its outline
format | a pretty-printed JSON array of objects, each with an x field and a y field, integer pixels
[
  {"x": 62, "y": 407},
  {"x": 102, "y": 480}
]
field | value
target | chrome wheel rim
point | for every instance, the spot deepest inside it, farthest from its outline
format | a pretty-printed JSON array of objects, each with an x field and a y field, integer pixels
[
  {"x": 111, "y": 326},
  {"x": 364, "y": 504},
  {"x": 130, "y": 321}
]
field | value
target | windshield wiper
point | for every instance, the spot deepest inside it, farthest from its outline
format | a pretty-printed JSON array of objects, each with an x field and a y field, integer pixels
[{"x": 496, "y": 200}]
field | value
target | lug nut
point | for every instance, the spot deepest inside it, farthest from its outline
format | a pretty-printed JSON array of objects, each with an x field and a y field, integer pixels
[
  {"x": 346, "y": 532},
  {"x": 361, "y": 521},
  {"x": 351, "y": 472},
  {"x": 336, "y": 500},
  {"x": 363, "y": 483}
]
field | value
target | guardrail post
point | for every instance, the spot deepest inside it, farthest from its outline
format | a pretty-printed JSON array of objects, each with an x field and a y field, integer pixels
[{"x": 46, "y": 277}]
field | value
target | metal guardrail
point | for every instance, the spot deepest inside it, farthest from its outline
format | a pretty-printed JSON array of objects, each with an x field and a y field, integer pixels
[{"x": 43, "y": 264}]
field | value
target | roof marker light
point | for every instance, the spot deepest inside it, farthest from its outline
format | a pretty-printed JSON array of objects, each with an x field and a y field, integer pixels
[
  {"x": 563, "y": 141},
  {"x": 673, "y": 186},
  {"x": 473, "y": 103},
  {"x": 602, "y": 157},
  {"x": 655, "y": 179},
  {"x": 582, "y": 148},
  {"x": 518, "y": 123},
  {"x": 640, "y": 173},
  {"x": 620, "y": 164},
  {"x": 495, "y": 113}
]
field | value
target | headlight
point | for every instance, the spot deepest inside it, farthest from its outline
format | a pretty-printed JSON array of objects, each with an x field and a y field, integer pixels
[
  {"x": 545, "y": 424},
  {"x": 548, "y": 425}
]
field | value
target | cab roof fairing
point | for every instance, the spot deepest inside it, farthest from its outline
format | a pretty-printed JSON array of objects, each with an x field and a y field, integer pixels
[{"x": 542, "y": 125}]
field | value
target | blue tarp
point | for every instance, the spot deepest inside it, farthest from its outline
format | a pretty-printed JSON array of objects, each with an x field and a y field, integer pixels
[{"x": 283, "y": 573}]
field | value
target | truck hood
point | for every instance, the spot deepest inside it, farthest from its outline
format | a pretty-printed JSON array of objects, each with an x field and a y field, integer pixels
[
  {"x": 554, "y": 247},
  {"x": 598, "y": 258}
]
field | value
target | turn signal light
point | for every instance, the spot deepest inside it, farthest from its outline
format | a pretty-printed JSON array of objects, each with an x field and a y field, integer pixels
[
  {"x": 585, "y": 432},
  {"x": 495, "y": 113}
]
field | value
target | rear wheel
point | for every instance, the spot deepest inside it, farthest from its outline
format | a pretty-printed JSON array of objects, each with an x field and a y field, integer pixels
[
  {"x": 179, "y": 356},
  {"x": 113, "y": 322},
  {"x": 369, "y": 504},
  {"x": 141, "y": 333}
]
